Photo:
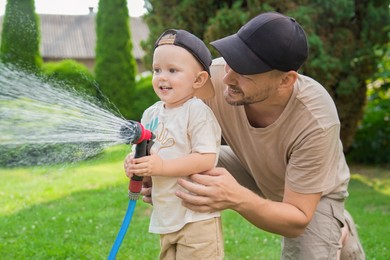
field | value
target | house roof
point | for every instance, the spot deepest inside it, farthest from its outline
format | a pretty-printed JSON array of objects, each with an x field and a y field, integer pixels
[{"x": 74, "y": 36}]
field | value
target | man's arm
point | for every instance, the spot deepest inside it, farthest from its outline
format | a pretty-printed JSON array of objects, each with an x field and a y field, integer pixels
[
  {"x": 288, "y": 218},
  {"x": 216, "y": 190}
]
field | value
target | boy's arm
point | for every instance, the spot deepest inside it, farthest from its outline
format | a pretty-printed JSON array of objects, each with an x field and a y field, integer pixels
[{"x": 153, "y": 165}]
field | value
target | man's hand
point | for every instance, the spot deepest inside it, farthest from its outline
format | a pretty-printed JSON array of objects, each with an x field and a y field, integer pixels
[
  {"x": 216, "y": 190},
  {"x": 210, "y": 191},
  {"x": 146, "y": 191}
]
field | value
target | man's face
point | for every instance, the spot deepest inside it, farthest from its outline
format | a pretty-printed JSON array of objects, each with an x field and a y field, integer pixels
[{"x": 249, "y": 89}]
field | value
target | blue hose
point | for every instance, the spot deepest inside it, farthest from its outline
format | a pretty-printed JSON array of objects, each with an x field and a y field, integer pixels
[{"x": 122, "y": 231}]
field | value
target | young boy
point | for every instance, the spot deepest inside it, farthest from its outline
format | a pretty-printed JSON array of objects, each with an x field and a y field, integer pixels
[{"x": 187, "y": 142}]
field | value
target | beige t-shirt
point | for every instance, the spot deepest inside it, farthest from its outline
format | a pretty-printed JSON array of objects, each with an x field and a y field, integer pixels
[
  {"x": 301, "y": 149},
  {"x": 179, "y": 131}
]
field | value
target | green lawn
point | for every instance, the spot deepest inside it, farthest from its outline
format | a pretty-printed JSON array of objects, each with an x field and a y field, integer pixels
[{"x": 75, "y": 212}]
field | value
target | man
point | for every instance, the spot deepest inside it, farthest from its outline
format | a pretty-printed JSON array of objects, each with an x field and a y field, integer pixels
[{"x": 284, "y": 169}]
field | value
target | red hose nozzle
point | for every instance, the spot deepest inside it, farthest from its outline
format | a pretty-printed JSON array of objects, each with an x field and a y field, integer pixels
[
  {"x": 135, "y": 187},
  {"x": 144, "y": 134},
  {"x": 142, "y": 149},
  {"x": 133, "y": 132}
]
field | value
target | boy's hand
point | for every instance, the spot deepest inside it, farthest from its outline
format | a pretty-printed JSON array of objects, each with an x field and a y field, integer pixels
[
  {"x": 145, "y": 166},
  {"x": 127, "y": 164}
]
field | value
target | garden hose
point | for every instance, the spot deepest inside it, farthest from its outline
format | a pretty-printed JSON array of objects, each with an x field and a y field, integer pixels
[{"x": 144, "y": 142}]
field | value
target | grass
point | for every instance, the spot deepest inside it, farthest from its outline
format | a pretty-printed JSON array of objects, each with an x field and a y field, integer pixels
[{"x": 75, "y": 212}]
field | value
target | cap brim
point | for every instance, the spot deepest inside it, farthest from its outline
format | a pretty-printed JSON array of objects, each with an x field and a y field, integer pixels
[
  {"x": 239, "y": 57},
  {"x": 206, "y": 91}
]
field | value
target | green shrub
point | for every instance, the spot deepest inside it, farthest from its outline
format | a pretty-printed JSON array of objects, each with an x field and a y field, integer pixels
[
  {"x": 372, "y": 140},
  {"x": 71, "y": 74},
  {"x": 48, "y": 154},
  {"x": 20, "y": 36},
  {"x": 144, "y": 96}
]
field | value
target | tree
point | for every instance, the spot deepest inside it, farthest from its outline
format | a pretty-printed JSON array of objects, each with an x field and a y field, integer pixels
[
  {"x": 175, "y": 14},
  {"x": 115, "y": 67},
  {"x": 20, "y": 35},
  {"x": 343, "y": 35}
]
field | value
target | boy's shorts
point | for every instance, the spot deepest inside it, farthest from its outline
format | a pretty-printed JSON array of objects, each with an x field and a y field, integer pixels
[{"x": 196, "y": 240}]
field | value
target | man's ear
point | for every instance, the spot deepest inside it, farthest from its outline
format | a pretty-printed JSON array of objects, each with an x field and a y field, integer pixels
[
  {"x": 201, "y": 79},
  {"x": 289, "y": 78}
]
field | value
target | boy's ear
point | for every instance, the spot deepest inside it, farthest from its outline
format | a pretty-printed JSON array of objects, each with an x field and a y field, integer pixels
[{"x": 201, "y": 79}]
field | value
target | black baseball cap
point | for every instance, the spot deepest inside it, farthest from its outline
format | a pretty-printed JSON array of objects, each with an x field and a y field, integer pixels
[
  {"x": 196, "y": 47},
  {"x": 268, "y": 41},
  {"x": 189, "y": 42}
]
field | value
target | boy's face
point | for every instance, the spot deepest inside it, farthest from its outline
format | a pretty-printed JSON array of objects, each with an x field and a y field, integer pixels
[{"x": 174, "y": 73}]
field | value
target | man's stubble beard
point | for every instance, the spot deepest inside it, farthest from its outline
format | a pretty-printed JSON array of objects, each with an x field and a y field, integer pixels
[{"x": 242, "y": 102}]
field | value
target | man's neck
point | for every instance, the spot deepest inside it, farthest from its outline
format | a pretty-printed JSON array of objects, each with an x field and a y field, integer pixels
[{"x": 261, "y": 115}]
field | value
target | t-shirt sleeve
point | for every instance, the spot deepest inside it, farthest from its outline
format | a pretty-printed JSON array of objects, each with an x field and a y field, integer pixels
[
  {"x": 311, "y": 167},
  {"x": 203, "y": 129}
]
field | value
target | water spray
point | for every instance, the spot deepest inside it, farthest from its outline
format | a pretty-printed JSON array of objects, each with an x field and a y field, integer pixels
[
  {"x": 34, "y": 112},
  {"x": 50, "y": 122},
  {"x": 132, "y": 132}
]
